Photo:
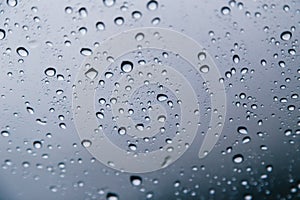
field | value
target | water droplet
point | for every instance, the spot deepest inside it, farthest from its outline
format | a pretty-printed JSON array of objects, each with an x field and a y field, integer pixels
[
  {"x": 68, "y": 10},
  {"x": 246, "y": 140},
  {"x": 83, "y": 12},
  {"x": 62, "y": 126},
  {"x": 135, "y": 180},
  {"x": 22, "y": 52},
  {"x": 109, "y": 3},
  {"x": 30, "y": 110},
  {"x": 139, "y": 127},
  {"x": 238, "y": 158},
  {"x": 225, "y": 10},
  {"x": 91, "y": 73},
  {"x": 108, "y": 75},
  {"x": 161, "y": 118},
  {"x": 26, "y": 164},
  {"x": 86, "y": 143},
  {"x": 202, "y": 56},
  {"x": 112, "y": 196},
  {"x": 2, "y": 34},
  {"x": 100, "y": 115},
  {"x": 50, "y": 71},
  {"x": 204, "y": 69},
  {"x": 53, "y": 189},
  {"x": 136, "y": 15},
  {"x": 236, "y": 59},
  {"x": 161, "y": 97},
  {"x": 5, "y": 133},
  {"x": 12, "y": 3},
  {"x": 152, "y": 5},
  {"x": 139, "y": 37},
  {"x": 37, "y": 144},
  {"x": 132, "y": 147},
  {"x": 122, "y": 131},
  {"x": 100, "y": 26},
  {"x": 155, "y": 21},
  {"x": 86, "y": 52},
  {"x": 286, "y": 35},
  {"x": 119, "y": 21},
  {"x": 242, "y": 130},
  {"x": 126, "y": 66}
]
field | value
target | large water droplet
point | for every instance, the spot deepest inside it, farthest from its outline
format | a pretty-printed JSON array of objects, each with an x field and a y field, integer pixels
[
  {"x": 50, "y": 71},
  {"x": 86, "y": 143},
  {"x": 152, "y": 5},
  {"x": 162, "y": 97},
  {"x": 201, "y": 56},
  {"x": 225, "y": 10},
  {"x": 242, "y": 130},
  {"x": 126, "y": 66},
  {"x": 5, "y": 133},
  {"x": 238, "y": 158},
  {"x": 2, "y": 34},
  {"x": 122, "y": 131},
  {"x": 135, "y": 180},
  {"x": 286, "y": 35},
  {"x": 109, "y": 3},
  {"x": 12, "y": 3},
  {"x": 37, "y": 144},
  {"x": 83, "y": 12},
  {"x": 112, "y": 196},
  {"x": 91, "y": 73},
  {"x": 100, "y": 26},
  {"x": 204, "y": 69},
  {"x": 86, "y": 52},
  {"x": 119, "y": 21},
  {"x": 22, "y": 52}
]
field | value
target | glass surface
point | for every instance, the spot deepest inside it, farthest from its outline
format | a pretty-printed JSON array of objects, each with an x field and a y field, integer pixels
[{"x": 149, "y": 99}]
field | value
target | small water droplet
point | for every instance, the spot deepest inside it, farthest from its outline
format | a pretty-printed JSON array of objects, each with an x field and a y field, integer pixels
[
  {"x": 22, "y": 52},
  {"x": 112, "y": 196}
]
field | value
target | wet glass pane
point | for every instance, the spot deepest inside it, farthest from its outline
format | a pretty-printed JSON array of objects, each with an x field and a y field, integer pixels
[{"x": 149, "y": 99}]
